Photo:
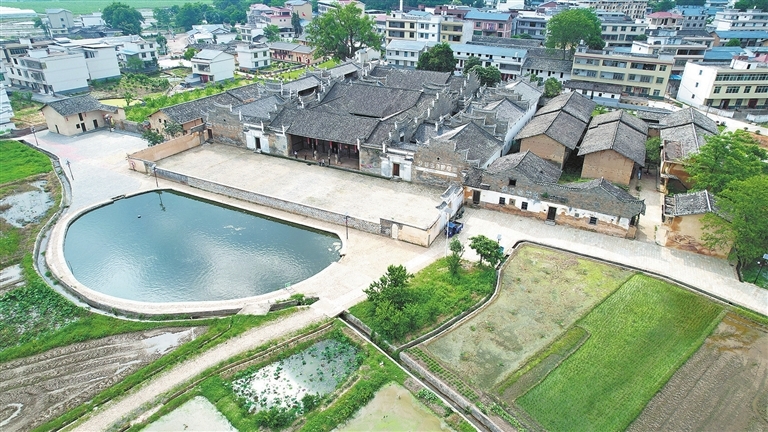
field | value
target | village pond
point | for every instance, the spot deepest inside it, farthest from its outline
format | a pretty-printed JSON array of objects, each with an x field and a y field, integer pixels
[{"x": 165, "y": 246}]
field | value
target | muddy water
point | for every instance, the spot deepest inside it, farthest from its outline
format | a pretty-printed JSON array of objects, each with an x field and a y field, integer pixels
[
  {"x": 196, "y": 415},
  {"x": 394, "y": 409},
  {"x": 169, "y": 247},
  {"x": 26, "y": 207}
]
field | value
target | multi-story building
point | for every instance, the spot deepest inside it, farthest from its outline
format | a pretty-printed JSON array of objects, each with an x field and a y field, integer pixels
[
  {"x": 405, "y": 54},
  {"x": 645, "y": 75},
  {"x": 694, "y": 17},
  {"x": 93, "y": 19},
  {"x": 508, "y": 60},
  {"x": 741, "y": 83},
  {"x": 734, "y": 19},
  {"x": 6, "y": 111},
  {"x": 136, "y": 47},
  {"x": 291, "y": 52},
  {"x": 618, "y": 30},
  {"x": 531, "y": 23},
  {"x": 683, "y": 51},
  {"x": 59, "y": 21},
  {"x": 546, "y": 63},
  {"x": 213, "y": 66},
  {"x": 413, "y": 26},
  {"x": 634, "y": 9},
  {"x": 454, "y": 30},
  {"x": 664, "y": 20},
  {"x": 490, "y": 23},
  {"x": 253, "y": 56},
  {"x": 302, "y": 8},
  {"x": 62, "y": 69},
  {"x": 456, "y": 11},
  {"x": 746, "y": 38}
]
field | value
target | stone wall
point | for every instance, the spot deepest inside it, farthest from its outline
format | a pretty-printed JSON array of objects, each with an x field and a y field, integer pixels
[
  {"x": 128, "y": 126},
  {"x": 226, "y": 126},
  {"x": 438, "y": 164},
  {"x": 168, "y": 148}
]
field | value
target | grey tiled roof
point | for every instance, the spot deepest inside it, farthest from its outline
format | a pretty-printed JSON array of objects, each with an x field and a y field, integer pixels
[
  {"x": 79, "y": 104},
  {"x": 195, "y": 109},
  {"x": 527, "y": 90},
  {"x": 690, "y": 115},
  {"x": 603, "y": 184},
  {"x": 506, "y": 110},
  {"x": 682, "y": 141},
  {"x": 559, "y": 125},
  {"x": 343, "y": 70},
  {"x": 528, "y": 164},
  {"x": 617, "y": 136},
  {"x": 501, "y": 41},
  {"x": 425, "y": 131},
  {"x": 477, "y": 144},
  {"x": 652, "y": 116},
  {"x": 573, "y": 103},
  {"x": 691, "y": 203},
  {"x": 246, "y": 93},
  {"x": 410, "y": 78},
  {"x": 622, "y": 116},
  {"x": 593, "y": 86},
  {"x": 369, "y": 100},
  {"x": 261, "y": 108},
  {"x": 324, "y": 125},
  {"x": 302, "y": 84},
  {"x": 547, "y": 64}
]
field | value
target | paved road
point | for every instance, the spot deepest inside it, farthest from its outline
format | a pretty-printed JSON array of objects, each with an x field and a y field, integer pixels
[{"x": 101, "y": 172}]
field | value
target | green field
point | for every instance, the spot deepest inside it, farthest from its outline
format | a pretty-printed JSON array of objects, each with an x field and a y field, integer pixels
[
  {"x": 639, "y": 337},
  {"x": 19, "y": 161},
  {"x": 87, "y": 6}
]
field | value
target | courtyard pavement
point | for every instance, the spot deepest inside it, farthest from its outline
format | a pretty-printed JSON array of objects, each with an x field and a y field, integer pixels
[{"x": 100, "y": 172}]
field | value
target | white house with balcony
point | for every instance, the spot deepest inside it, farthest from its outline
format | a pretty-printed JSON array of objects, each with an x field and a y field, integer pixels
[
  {"x": 213, "y": 66},
  {"x": 253, "y": 56},
  {"x": 405, "y": 54},
  {"x": 738, "y": 84},
  {"x": 508, "y": 60}
]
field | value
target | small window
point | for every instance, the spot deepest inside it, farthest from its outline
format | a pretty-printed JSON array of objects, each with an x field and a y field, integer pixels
[
  {"x": 700, "y": 71},
  {"x": 524, "y": 205},
  {"x": 593, "y": 220},
  {"x": 512, "y": 182},
  {"x": 502, "y": 201}
]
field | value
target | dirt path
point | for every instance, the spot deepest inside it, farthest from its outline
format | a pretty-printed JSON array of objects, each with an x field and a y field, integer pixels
[
  {"x": 106, "y": 416},
  {"x": 36, "y": 389}
]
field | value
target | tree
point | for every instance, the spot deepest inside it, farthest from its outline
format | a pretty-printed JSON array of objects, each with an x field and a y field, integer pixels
[
  {"x": 41, "y": 25},
  {"x": 454, "y": 259},
  {"x": 733, "y": 43},
  {"x": 599, "y": 110},
  {"x": 568, "y": 29},
  {"x": 134, "y": 63},
  {"x": 391, "y": 288},
  {"x": 296, "y": 23},
  {"x": 751, "y": 4},
  {"x": 741, "y": 222},
  {"x": 727, "y": 157},
  {"x": 471, "y": 62},
  {"x": 552, "y": 87},
  {"x": 189, "y": 53},
  {"x": 341, "y": 32},
  {"x": 489, "y": 76},
  {"x": 191, "y": 14},
  {"x": 662, "y": 5},
  {"x": 439, "y": 58},
  {"x": 152, "y": 138},
  {"x": 272, "y": 33},
  {"x": 128, "y": 97},
  {"x": 488, "y": 249},
  {"x": 123, "y": 17},
  {"x": 162, "y": 16},
  {"x": 173, "y": 129},
  {"x": 652, "y": 151}
]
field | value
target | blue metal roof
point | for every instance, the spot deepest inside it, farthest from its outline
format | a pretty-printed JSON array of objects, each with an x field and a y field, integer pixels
[
  {"x": 742, "y": 34},
  {"x": 486, "y": 16},
  {"x": 721, "y": 53}
]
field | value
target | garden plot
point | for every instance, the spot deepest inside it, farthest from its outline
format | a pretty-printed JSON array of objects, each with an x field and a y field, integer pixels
[
  {"x": 197, "y": 414},
  {"x": 394, "y": 408},
  {"x": 638, "y": 338},
  {"x": 543, "y": 292},
  {"x": 724, "y": 386},
  {"x": 285, "y": 384},
  {"x": 36, "y": 389}
]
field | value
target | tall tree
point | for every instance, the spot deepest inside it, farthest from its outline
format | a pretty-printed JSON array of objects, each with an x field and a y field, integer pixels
[
  {"x": 489, "y": 76},
  {"x": 552, "y": 87},
  {"x": 392, "y": 287},
  {"x": 733, "y": 43},
  {"x": 341, "y": 32},
  {"x": 471, "y": 62},
  {"x": 41, "y": 25},
  {"x": 751, "y": 4},
  {"x": 742, "y": 221},
  {"x": 488, "y": 250},
  {"x": 652, "y": 151},
  {"x": 162, "y": 16},
  {"x": 570, "y": 28},
  {"x": 725, "y": 158},
  {"x": 439, "y": 58},
  {"x": 123, "y": 17},
  {"x": 190, "y": 14},
  {"x": 296, "y": 23},
  {"x": 272, "y": 33}
]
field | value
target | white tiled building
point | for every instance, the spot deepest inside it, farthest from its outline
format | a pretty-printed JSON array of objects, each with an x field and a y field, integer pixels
[
  {"x": 213, "y": 66},
  {"x": 253, "y": 56},
  {"x": 402, "y": 53}
]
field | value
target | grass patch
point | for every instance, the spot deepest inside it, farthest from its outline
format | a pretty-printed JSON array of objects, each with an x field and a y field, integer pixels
[
  {"x": 328, "y": 64},
  {"x": 436, "y": 297},
  {"x": 445, "y": 375},
  {"x": 139, "y": 113},
  {"x": 291, "y": 75},
  {"x": 219, "y": 331},
  {"x": 639, "y": 337},
  {"x": 19, "y": 161}
]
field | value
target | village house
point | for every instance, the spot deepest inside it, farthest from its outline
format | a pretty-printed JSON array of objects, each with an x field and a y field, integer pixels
[
  {"x": 213, "y": 66},
  {"x": 557, "y": 128},
  {"x": 294, "y": 53},
  {"x": 682, "y": 217},
  {"x": 79, "y": 114},
  {"x": 614, "y": 147},
  {"x": 682, "y": 134},
  {"x": 526, "y": 185}
]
